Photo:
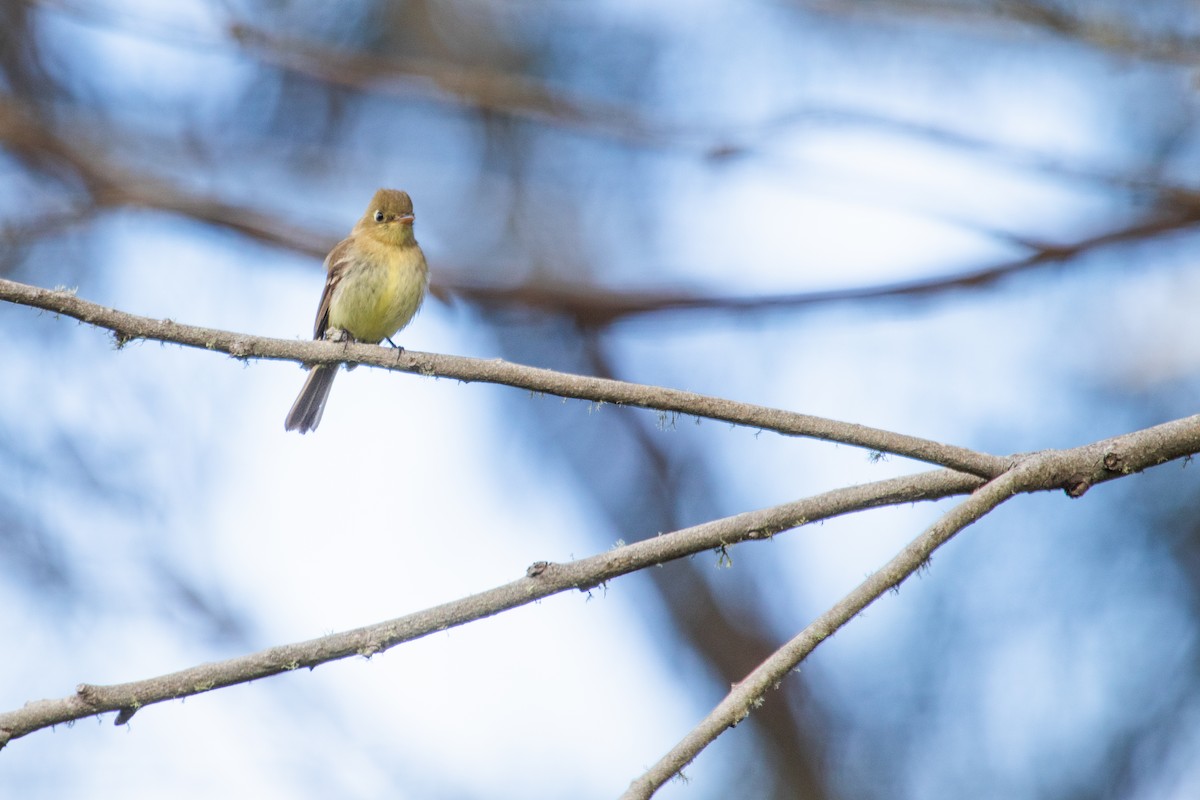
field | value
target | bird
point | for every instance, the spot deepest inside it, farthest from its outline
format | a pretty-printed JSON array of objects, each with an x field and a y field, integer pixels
[{"x": 375, "y": 281}]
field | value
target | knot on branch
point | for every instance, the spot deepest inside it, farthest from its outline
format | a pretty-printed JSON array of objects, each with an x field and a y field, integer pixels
[
  {"x": 1114, "y": 461},
  {"x": 88, "y": 695}
]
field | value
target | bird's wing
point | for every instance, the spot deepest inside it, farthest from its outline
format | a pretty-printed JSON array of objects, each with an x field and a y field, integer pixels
[{"x": 336, "y": 264}]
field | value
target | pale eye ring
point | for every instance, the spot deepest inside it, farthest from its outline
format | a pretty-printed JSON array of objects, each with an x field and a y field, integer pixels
[{"x": 379, "y": 216}]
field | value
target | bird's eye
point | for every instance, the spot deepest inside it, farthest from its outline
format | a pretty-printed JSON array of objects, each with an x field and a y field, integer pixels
[{"x": 379, "y": 216}]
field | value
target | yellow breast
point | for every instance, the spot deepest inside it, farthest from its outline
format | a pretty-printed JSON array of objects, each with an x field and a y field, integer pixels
[{"x": 380, "y": 293}]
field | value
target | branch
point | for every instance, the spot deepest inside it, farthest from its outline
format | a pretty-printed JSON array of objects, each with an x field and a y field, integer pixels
[
  {"x": 1103, "y": 32},
  {"x": 597, "y": 306},
  {"x": 542, "y": 580},
  {"x": 493, "y": 90},
  {"x": 1074, "y": 470},
  {"x": 485, "y": 89},
  {"x": 77, "y": 157},
  {"x": 129, "y": 327}
]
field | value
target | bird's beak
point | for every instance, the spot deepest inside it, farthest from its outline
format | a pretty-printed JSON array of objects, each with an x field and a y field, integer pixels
[{"x": 405, "y": 219}]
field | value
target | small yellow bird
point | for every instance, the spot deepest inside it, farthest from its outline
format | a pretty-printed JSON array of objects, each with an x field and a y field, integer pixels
[{"x": 375, "y": 281}]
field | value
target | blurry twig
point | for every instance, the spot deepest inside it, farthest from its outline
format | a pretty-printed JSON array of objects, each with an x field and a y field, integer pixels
[
  {"x": 76, "y": 160},
  {"x": 1104, "y": 31},
  {"x": 542, "y": 580},
  {"x": 593, "y": 305},
  {"x": 489, "y": 90},
  {"x": 129, "y": 327},
  {"x": 836, "y": 117},
  {"x": 1075, "y": 470}
]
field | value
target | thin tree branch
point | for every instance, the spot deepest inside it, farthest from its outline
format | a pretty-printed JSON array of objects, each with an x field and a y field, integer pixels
[
  {"x": 479, "y": 88},
  {"x": 488, "y": 89},
  {"x": 595, "y": 305},
  {"x": 129, "y": 327},
  {"x": 1102, "y": 31},
  {"x": 1073, "y": 470},
  {"x": 78, "y": 158},
  {"x": 542, "y": 580}
]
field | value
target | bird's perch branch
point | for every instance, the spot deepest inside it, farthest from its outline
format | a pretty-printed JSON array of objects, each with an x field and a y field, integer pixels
[{"x": 129, "y": 327}]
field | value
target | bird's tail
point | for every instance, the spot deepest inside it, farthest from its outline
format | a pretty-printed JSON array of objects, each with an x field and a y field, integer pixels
[{"x": 306, "y": 412}]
